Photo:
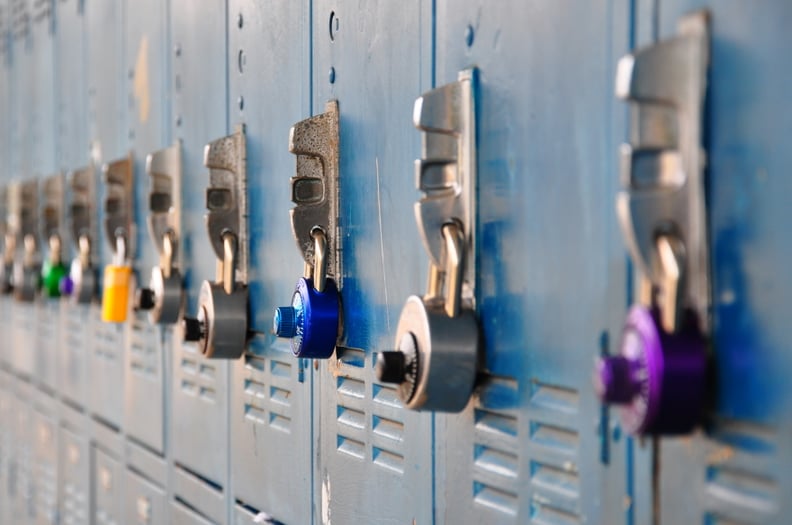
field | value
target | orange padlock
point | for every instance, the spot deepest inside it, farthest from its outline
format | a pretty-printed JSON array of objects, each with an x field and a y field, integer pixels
[{"x": 115, "y": 294}]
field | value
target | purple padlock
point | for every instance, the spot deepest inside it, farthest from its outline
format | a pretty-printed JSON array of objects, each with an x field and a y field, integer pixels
[{"x": 658, "y": 379}]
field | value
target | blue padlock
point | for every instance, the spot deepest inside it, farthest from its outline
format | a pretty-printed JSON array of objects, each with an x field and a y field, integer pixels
[{"x": 311, "y": 322}]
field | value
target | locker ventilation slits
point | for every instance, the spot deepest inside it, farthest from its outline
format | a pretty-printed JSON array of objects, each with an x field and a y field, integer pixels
[
  {"x": 107, "y": 342},
  {"x": 740, "y": 486},
  {"x": 20, "y": 18},
  {"x": 496, "y": 446},
  {"x": 369, "y": 416},
  {"x": 199, "y": 376},
  {"x": 267, "y": 392},
  {"x": 42, "y": 10},
  {"x": 553, "y": 448},
  {"x": 143, "y": 358}
]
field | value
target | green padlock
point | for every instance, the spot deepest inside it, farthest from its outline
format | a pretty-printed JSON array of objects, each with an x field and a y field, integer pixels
[{"x": 51, "y": 275}]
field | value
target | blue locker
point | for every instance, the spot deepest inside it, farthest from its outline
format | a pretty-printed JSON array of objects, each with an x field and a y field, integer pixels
[
  {"x": 146, "y": 58},
  {"x": 738, "y": 469},
  {"x": 106, "y": 127},
  {"x": 197, "y": 87},
  {"x": 271, "y": 419},
  {"x": 362, "y": 59}
]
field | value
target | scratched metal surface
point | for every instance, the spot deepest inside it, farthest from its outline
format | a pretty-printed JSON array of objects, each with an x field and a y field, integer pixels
[{"x": 315, "y": 445}]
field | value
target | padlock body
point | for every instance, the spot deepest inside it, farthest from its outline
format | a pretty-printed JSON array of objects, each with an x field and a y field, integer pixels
[
  {"x": 51, "y": 275},
  {"x": 115, "y": 293}
]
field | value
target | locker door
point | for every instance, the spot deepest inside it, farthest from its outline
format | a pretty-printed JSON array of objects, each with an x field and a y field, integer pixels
[
  {"x": 737, "y": 472},
  {"x": 147, "y": 59},
  {"x": 271, "y": 446},
  {"x": 551, "y": 291},
  {"x": 199, "y": 387},
  {"x": 73, "y": 153},
  {"x": 375, "y": 61},
  {"x": 106, "y": 128}
]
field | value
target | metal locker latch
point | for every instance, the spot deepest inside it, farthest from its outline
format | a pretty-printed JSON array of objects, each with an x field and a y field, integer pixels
[
  {"x": 659, "y": 377},
  {"x": 221, "y": 325},
  {"x": 81, "y": 284},
  {"x": 9, "y": 244},
  {"x": 27, "y": 271},
  {"x": 53, "y": 217},
  {"x": 438, "y": 337},
  {"x": 312, "y": 320},
  {"x": 164, "y": 296},
  {"x": 120, "y": 233}
]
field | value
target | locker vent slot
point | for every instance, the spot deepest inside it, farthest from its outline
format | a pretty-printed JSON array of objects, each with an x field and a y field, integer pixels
[
  {"x": 267, "y": 392},
  {"x": 20, "y": 18},
  {"x": 143, "y": 350},
  {"x": 197, "y": 376},
  {"x": 75, "y": 336},
  {"x": 367, "y": 430},
  {"x": 46, "y": 489},
  {"x": 553, "y": 449},
  {"x": 75, "y": 504},
  {"x": 42, "y": 10},
  {"x": 107, "y": 343},
  {"x": 739, "y": 486},
  {"x": 496, "y": 446}
]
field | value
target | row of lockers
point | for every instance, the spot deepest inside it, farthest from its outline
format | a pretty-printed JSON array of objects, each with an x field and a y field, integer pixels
[{"x": 126, "y": 422}]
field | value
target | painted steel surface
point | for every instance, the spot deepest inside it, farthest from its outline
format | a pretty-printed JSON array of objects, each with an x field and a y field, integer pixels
[{"x": 102, "y": 423}]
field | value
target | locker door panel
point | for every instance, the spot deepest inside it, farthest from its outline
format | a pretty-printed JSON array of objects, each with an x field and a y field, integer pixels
[
  {"x": 45, "y": 468},
  {"x": 75, "y": 478},
  {"x": 108, "y": 489},
  {"x": 106, "y": 127},
  {"x": 375, "y": 61},
  {"x": 76, "y": 348},
  {"x": 739, "y": 466},
  {"x": 146, "y": 503},
  {"x": 147, "y": 56},
  {"x": 269, "y": 90},
  {"x": 72, "y": 93},
  {"x": 534, "y": 443},
  {"x": 198, "y": 87}
]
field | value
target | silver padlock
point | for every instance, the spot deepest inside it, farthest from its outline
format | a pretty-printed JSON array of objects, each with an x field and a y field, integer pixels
[
  {"x": 164, "y": 296},
  {"x": 221, "y": 324},
  {"x": 438, "y": 339}
]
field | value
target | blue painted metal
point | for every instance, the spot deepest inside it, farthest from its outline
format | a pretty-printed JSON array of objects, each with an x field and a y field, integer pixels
[{"x": 271, "y": 435}]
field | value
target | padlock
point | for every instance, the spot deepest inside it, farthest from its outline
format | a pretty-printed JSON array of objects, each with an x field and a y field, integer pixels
[
  {"x": 51, "y": 276},
  {"x": 53, "y": 270},
  {"x": 115, "y": 293}
]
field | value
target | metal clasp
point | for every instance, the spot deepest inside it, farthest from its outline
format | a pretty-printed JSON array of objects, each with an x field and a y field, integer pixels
[
  {"x": 82, "y": 213},
  {"x": 226, "y": 202},
  {"x": 315, "y": 194},
  {"x": 447, "y": 175},
  {"x": 119, "y": 214},
  {"x": 164, "y": 217},
  {"x": 662, "y": 211},
  {"x": 53, "y": 216}
]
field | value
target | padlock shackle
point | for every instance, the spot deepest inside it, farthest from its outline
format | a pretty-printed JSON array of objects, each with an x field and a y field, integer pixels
[
  {"x": 168, "y": 249},
  {"x": 84, "y": 250},
  {"x": 454, "y": 239},
  {"x": 229, "y": 261},
  {"x": 320, "y": 258}
]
